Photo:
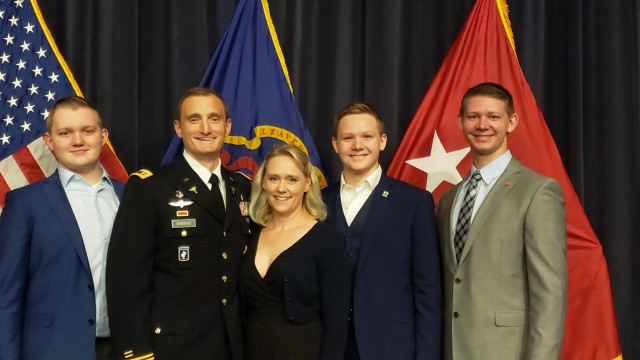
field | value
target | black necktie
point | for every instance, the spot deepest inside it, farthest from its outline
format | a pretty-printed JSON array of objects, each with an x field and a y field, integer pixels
[
  {"x": 217, "y": 195},
  {"x": 464, "y": 217}
]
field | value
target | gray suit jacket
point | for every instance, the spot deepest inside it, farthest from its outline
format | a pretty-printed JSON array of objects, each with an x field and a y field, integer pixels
[{"x": 507, "y": 297}]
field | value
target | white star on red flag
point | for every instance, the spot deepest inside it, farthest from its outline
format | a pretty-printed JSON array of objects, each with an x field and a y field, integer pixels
[{"x": 440, "y": 165}]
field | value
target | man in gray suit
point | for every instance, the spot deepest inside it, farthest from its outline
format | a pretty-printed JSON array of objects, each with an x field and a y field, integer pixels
[{"x": 503, "y": 244}]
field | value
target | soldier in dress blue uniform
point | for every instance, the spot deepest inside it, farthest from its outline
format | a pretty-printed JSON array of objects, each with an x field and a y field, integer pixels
[{"x": 176, "y": 246}]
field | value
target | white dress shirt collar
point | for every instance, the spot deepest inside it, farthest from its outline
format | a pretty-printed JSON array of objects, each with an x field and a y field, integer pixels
[
  {"x": 372, "y": 180},
  {"x": 202, "y": 171}
]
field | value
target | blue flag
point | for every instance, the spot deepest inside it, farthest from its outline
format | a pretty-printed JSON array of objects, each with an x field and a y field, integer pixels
[{"x": 249, "y": 71}]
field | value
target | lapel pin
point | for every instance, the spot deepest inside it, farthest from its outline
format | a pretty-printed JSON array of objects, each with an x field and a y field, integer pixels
[
  {"x": 508, "y": 183},
  {"x": 185, "y": 179},
  {"x": 179, "y": 194},
  {"x": 193, "y": 189},
  {"x": 233, "y": 190},
  {"x": 385, "y": 193}
]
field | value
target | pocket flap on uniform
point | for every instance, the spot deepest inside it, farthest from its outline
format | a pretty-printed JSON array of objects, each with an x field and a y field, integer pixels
[
  {"x": 510, "y": 318},
  {"x": 37, "y": 321}
]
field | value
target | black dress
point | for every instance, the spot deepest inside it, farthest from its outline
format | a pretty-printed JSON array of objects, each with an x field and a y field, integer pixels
[{"x": 269, "y": 336}]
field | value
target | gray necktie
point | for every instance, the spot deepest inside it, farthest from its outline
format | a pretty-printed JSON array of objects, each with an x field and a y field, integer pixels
[{"x": 464, "y": 217}]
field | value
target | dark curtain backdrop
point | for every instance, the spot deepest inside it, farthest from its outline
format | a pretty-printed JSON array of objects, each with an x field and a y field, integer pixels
[{"x": 581, "y": 57}]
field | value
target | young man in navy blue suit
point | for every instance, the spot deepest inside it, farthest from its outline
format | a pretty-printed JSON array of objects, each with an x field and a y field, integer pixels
[
  {"x": 392, "y": 245},
  {"x": 53, "y": 246}
]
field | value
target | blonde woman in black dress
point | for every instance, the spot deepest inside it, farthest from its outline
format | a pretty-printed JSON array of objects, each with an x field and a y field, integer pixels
[{"x": 295, "y": 277}]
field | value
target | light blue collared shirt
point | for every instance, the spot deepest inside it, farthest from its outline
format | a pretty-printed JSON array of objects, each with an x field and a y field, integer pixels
[
  {"x": 490, "y": 174},
  {"x": 94, "y": 207}
]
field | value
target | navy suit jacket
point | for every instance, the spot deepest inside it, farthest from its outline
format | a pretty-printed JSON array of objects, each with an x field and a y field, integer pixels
[
  {"x": 47, "y": 303},
  {"x": 397, "y": 290}
]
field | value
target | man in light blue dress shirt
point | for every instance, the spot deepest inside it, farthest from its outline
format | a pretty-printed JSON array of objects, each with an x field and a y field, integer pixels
[
  {"x": 503, "y": 244},
  {"x": 54, "y": 236}
]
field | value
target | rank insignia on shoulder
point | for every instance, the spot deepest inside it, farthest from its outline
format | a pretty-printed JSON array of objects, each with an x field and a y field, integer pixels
[
  {"x": 142, "y": 173},
  {"x": 385, "y": 193}
]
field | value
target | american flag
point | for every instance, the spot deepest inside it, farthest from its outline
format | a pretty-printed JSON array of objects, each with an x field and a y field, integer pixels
[{"x": 33, "y": 75}]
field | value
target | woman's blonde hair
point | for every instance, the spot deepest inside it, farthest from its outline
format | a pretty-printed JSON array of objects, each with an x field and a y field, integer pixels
[{"x": 259, "y": 208}]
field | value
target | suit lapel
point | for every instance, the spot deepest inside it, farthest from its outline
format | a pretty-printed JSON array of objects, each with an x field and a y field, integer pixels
[
  {"x": 234, "y": 197},
  {"x": 191, "y": 186},
  {"x": 446, "y": 207},
  {"x": 493, "y": 199},
  {"x": 53, "y": 193},
  {"x": 381, "y": 196}
]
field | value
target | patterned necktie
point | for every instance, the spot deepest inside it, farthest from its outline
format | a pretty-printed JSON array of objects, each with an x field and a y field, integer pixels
[
  {"x": 215, "y": 190},
  {"x": 464, "y": 217}
]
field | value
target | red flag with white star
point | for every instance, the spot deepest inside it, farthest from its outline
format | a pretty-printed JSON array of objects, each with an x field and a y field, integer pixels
[{"x": 434, "y": 155}]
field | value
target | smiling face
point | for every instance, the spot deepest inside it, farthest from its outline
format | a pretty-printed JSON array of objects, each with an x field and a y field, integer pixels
[
  {"x": 485, "y": 124},
  {"x": 203, "y": 125},
  {"x": 285, "y": 185},
  {"x": 76, "y": 140},
  {"x": 358, "y": 143}
]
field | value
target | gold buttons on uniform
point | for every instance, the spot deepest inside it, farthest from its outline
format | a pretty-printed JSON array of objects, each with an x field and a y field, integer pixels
[
  {"x": 157, "y": 331},
  {"x": 183, "y": 233},
  {"x": 224, "y": 255},
  {"x": 224, "y": 301},
  {"x": 224, "y": 278}
]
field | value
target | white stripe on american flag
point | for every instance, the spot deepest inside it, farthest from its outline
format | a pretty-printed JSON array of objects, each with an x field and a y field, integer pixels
[
  {"x": 12, "y": 174},
  {"x": 43, "y": 156}
]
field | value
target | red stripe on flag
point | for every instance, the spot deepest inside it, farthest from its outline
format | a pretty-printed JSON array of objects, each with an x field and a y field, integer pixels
[
  {"x": 112, "y": 164},
  {"x": 3, "y": 190},
  {"x": 28, "y": 165}
]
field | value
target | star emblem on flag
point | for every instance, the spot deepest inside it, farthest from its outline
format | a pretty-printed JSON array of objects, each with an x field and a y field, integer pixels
[{"x": 440, "y": 165}]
